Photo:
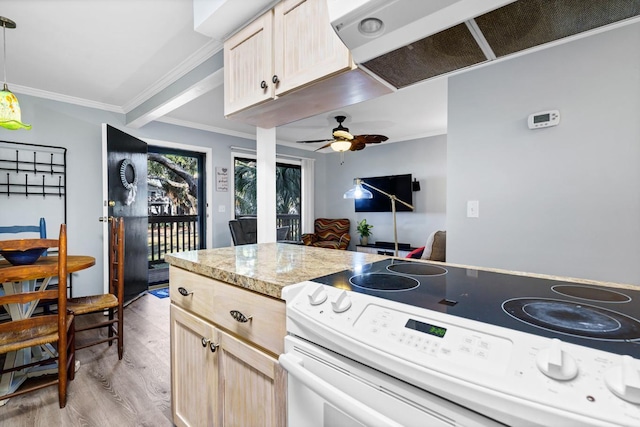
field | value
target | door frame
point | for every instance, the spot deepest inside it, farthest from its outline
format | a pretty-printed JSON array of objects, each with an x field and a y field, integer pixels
[{"x": 208, "y": 194}]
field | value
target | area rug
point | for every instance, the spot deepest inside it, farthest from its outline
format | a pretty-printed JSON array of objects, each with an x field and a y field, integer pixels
[{"x": 160, "y": 293}]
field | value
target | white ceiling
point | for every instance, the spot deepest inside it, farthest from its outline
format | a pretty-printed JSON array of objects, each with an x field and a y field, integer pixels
[{"x": 116, "y": 54}]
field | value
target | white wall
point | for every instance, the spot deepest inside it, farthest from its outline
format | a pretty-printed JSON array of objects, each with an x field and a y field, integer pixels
[
  {"x": 424, "y": 158},
  {"x": 563, "y": 200}
]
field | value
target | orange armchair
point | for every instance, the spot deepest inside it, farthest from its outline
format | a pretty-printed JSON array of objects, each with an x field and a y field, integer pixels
[{"x": 329, "y": 233}]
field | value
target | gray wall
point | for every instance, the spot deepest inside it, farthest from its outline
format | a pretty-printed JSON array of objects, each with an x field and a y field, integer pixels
[
  {"x": 424, "y": 158},
  {"x": 79, "y": 130},
  {"x": 563, "y": 200}
]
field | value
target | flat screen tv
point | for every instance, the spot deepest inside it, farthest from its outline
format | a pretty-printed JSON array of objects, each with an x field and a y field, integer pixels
[{"x": 399, "y": 185}]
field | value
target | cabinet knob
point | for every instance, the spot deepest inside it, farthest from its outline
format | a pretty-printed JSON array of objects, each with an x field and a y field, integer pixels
[
  {"x": 263, "y": 85},
  {"x": 184, "y": 292},
  {"x": 205, "y": 341},
  {"x": 213, "y": 347},
  {"x": 275, "y": 79},
  {"x": 239, "y": 316}
]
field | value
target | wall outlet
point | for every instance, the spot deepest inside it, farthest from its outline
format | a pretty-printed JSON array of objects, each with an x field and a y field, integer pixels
[
  {"x": 222, "y": 208},
  {"x": 473, "y": 209}
]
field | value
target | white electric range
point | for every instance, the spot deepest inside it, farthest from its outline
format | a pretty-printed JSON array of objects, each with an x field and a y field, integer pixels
[{"x": 411, "y": 343}]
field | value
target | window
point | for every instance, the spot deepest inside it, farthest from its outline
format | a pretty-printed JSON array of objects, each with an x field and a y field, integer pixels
[{"x": 288, "y": 193}]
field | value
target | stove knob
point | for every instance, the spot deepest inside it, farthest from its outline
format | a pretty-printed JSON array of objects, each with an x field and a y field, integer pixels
[
  {"x": 318, "y": 296},
  {"x": 342, "y": 303},
  {"x": 556, "y": 363},
  {"x": 624, "y": 380}
]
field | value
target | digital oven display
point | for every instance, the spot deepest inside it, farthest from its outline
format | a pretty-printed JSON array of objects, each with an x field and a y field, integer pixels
[{"x": 436, "y": 331}]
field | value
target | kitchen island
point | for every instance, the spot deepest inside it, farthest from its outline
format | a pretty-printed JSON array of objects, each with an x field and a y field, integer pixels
[
  {"x": 228, "y": 328},
  {"x": 228, "y": 323},
  {"x": 268, "y": 267}
]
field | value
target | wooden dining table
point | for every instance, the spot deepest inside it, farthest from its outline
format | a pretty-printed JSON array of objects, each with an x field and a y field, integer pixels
[{"x": 16, "y": 279}]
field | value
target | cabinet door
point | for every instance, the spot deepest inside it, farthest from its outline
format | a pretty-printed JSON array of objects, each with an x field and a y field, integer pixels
[
  {"x": 305, "y": 46},
  {"x": 252, "y": 385},
  {"x": 248, "y": 65},
  {"x": 194, "y": 369}
]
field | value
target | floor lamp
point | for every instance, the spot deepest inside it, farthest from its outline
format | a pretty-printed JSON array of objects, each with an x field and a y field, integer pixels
[{"x": 359, "y": 192}]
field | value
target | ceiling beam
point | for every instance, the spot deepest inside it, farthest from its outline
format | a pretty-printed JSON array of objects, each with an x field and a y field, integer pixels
[{"x": 200, "y": 80}]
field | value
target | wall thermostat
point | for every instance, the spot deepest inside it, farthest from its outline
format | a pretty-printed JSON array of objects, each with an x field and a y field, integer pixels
[{"x": 544, "y": 119}]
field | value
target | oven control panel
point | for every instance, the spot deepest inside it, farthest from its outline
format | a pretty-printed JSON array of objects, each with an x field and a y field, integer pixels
[
  {"x": 478, "y": 364},
  {"x": 429, "y": 342}
]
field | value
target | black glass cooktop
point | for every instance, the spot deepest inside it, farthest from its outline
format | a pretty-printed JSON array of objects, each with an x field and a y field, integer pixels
[{"x": 594, "y": 316}]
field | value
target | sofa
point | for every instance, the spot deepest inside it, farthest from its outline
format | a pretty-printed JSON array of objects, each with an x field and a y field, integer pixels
[{"x": 434, "y": 250}]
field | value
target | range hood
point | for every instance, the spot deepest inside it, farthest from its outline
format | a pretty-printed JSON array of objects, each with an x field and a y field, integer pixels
[{"x": 419, "y": 40}]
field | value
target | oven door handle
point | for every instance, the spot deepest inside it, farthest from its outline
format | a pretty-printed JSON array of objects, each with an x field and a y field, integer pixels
[{"x": 334, "y": 396}]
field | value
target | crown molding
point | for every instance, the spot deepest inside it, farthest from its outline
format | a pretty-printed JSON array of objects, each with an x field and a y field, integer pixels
[
  {"x": 66, "y": 98},
  {"x": 194, "y": 60},
  {"x": 199, "y": 126}
]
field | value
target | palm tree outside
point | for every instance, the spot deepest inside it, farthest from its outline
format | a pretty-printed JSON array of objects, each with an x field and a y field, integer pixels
[{"x": 288, "y": 193}]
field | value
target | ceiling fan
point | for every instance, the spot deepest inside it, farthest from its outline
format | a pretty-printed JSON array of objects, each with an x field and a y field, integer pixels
[{"x": 344, "y": 141}]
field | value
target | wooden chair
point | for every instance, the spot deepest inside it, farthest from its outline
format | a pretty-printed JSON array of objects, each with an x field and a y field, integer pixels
[
  {"x": 41, "y": 229},
  {"x": 111, "y": 302},
  {"x": 26, "y": 331}
]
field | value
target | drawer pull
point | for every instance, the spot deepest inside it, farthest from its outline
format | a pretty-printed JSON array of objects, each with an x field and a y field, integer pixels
[
  {"x": 239, "y": 316},
  {"x": 184, "y": 292}
]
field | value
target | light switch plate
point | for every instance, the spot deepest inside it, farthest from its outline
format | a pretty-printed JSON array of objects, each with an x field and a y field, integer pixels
[{"x": 473, "y": 209}]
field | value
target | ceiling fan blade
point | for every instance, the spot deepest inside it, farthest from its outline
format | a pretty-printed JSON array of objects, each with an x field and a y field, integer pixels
[
  {"x": 315, "y": 140},
  {"x": 357, "y": 145},
  {"x": 324, "y": 146},
  {"x": 370, "y": 139}
]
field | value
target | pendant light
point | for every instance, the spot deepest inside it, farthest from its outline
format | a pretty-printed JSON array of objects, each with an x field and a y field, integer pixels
[{"x": 10, "y": 115}]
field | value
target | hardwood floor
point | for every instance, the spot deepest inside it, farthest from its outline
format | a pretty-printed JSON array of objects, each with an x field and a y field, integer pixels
[{"x": 134, "y": 391}]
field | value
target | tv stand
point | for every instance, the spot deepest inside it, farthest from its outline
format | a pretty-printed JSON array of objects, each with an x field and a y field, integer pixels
[{"x": 385, "y": 248}]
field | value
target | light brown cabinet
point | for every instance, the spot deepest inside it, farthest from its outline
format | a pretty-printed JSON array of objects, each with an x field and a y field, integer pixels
[
  {"x": 194, "y": 377},
  {"x": 289, "y": 64},
  {"x": 248, "y": 70},
  {"x": 224, "y": 372},
  {"x": 305, "y": 46}
]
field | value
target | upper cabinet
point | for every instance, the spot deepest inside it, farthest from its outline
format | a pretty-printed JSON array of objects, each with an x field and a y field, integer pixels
[
  {"x": 289, "y": 64},
  {"x": 248, "y": 70},
  {"x": 305, "y": 46}
]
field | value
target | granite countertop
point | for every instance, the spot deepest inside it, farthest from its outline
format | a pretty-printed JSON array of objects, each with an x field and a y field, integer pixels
[{"x": 268, "y": 267}]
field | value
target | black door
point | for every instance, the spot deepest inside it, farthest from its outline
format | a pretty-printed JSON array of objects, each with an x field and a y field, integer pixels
[{"x": 127, "y": 182}]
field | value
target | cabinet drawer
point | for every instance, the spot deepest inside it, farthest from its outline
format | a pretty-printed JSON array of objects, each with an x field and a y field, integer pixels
[
  {"x": 201, "y": 292},
  {"x": 266, "y": 326},
  {"x": 214, "y": 300}
]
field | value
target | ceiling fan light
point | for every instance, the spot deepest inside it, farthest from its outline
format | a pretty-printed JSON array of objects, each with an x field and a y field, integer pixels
[
  {"x": 10, "y": 115},
  {"x": 340, "y": 145}
]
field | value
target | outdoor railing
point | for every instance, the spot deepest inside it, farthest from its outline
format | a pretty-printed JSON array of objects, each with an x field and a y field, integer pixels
[
  {"x": 292, "y": 221},
  {"x": 167, "y": 234}
]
